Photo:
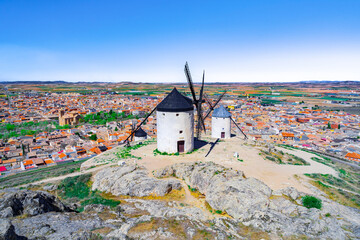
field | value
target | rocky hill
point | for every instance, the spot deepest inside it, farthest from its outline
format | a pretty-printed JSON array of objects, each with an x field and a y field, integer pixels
[{"x": 225, "y": 205}]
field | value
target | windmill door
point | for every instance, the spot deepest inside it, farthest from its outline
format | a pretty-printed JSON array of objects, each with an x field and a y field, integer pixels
[
  {"x": 222, "y": 134},
  {"x": 181, "y": 146}
]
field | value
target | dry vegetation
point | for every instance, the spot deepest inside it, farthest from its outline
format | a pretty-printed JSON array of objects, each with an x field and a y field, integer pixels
[
  {"x": 280, "y": 157},
  {"x": 344, "y": 189},
  {"x": 338, "y": 195},
  {"x": 174, "y": 195}
]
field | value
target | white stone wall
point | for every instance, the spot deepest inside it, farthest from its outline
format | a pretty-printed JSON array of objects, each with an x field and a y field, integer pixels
[
  {"x": 139, "y": 138},
  {"x": 219, "y": 125},
  {"x": 169, "y": 125}
]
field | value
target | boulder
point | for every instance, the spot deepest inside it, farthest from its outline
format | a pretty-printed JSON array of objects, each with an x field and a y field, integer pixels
[
  {"x": 7, "y": 231},
  {"x": 291, "y": 192},
  {"x": 198, "y": 175},
  {"x": 132, "y": 181},
  {"x": 55, "y": 226},
  {"x": 96, "y": 208},
  {"x": 51, "y": 187},
  {"x": 244, "y": 197},
  {"x": 31, "y": 203}
]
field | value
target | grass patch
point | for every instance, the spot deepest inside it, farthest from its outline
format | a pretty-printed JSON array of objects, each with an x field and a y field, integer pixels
[
  {"x": 338, "y": 195},
  {"x": 31, "y": 176},
  {"x": 78, "y": 188},
  {"x": 72, "y": 187},
  {"x": 174, "y": 195},
  {"x": 157, "y": 152},
  {"x": 216, "y": 211},
  {"x": 280, "y": 157},
  {"x": 178, "y": 228},
  {"x": 192, "y": 189},
  {"x": 252, "y": 233},
  {"x": 195, "y": 193},
  {"x": 334, "y": 181}
]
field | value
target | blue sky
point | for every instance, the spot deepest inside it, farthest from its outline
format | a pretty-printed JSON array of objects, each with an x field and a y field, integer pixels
[{"x": 149, "y": 41}]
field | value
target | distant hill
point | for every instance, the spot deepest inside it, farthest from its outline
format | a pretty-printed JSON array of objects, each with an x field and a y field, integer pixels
[
  {"x": 349, "y": 82},
  {"x": 34, "y": 82}
]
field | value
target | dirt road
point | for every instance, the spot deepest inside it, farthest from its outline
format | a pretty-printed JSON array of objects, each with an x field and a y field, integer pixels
[{"x": 55, "y": 179}]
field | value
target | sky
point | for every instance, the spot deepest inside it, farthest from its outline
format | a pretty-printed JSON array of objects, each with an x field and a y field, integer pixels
[{"x": 150, "y": 40}]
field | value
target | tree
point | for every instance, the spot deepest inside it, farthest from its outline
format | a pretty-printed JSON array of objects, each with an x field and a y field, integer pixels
[
  {"x": 23, "y": 150},
  {"x": 329, "y": 125},
  {"x": 339, "y": 126},
  {"x": 116, "y": 129},
  {"x": 93, "y": 137},
  {"x": 10, "y": 127}
]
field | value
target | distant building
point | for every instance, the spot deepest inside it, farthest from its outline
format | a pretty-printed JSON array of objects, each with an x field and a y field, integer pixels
[
  {"x": 140, "y": 135},
  {"x": 353, "y": 156},
  {"x": 303, "y": 120},
  {"x": 289, "y": 136},
  {"x": 68, "y": 118}
]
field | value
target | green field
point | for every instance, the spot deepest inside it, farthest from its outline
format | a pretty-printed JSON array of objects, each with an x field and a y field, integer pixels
[{"x": 31, "y": 176}]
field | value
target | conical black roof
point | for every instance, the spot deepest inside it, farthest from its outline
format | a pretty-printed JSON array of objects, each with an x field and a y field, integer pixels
[
  {"x": 140, "y": 133},
  {"x": 175, "y": 102}
]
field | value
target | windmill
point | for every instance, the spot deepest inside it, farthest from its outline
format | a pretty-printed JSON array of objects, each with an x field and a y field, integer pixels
[
  {"x": 198, "y": 102},
  {"x": 221, "y": 123},
  {"x": 134, "y": 128},
  {"x": 200, "y": 123}
]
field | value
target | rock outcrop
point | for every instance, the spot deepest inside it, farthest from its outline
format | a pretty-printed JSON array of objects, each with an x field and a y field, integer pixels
[
  {"x": 7, "y": 230},
  {"x": 54, "y": 225},
  {"x": 254, "y": 208},
  {"x": 31, "y": 203},
  {"x": 132, "y": 181},
  {"x": 253, "y": 203}
]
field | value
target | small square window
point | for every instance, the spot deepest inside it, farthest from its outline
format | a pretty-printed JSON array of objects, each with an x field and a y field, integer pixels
[
  {"x": 180, "y": 131},
  {"x": 177, "y": 114},
  {"x": 163, "y": 114}
]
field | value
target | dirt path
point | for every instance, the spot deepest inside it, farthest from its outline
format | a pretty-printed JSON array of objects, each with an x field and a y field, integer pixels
[
  {"x": 315, "y": 167},
  {"x": 253, "y": 165},
  {"x": 55, "y": 179}
]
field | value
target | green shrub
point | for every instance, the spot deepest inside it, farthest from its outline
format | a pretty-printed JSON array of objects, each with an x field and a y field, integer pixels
[
  {"x": 218, "y": 211},
  {"x": 311, "y": 202}
]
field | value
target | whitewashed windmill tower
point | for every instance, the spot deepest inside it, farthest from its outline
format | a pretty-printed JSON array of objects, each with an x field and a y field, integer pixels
[
  {"x": 175, "y": 123},
  {"x": 221, "y": 123}
]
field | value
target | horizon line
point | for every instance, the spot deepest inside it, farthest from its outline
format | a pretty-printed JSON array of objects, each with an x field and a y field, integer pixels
[{"x": 140, "y": 82}]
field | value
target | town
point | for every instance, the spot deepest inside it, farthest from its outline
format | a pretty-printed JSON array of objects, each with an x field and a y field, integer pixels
[{"x": 50, "y": 124}]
